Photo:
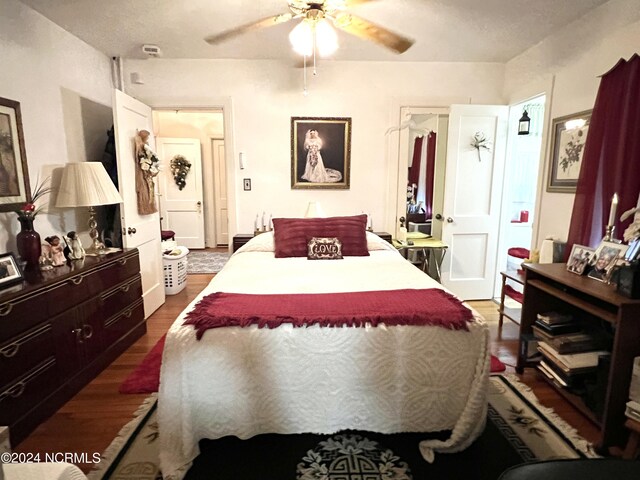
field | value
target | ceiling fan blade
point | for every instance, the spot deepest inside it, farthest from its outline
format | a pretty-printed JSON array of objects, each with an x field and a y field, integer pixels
[
  {"x": 234, "y": 32},
  {"x": 369, "y": 31}
]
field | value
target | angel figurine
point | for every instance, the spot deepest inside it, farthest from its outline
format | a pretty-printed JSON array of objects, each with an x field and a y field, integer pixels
[
  {"x": 76, "y": 250},
  {"x": 632, "y": 231},
  {"x": 56, "y": 251}
]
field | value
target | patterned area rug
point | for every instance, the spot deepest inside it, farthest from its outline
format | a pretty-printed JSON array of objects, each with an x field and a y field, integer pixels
[
  {"x": 518, "y": 430},
  {"x": 206, "y": 262}
]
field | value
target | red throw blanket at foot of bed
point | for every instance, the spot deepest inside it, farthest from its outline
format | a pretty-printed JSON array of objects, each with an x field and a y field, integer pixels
[{"x": 352, "y": 309}]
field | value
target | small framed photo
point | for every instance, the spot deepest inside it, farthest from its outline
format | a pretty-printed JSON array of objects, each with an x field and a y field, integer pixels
[
  {"x": 10, "y": 272},
  {"x": 633, "y": 252},
  {"x": 567, "y": 148},
  {"x": 606, "y": 256},
  {"x": 580, "y": 258}
]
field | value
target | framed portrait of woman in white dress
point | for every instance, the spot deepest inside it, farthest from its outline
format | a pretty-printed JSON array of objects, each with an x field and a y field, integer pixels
[{"x": 320, "y": 152}]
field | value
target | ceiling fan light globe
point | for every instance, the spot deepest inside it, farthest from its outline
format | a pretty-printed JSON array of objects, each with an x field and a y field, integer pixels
[
  {"x": 326, "y": 38},
  {"x": 301, "y": 38}
]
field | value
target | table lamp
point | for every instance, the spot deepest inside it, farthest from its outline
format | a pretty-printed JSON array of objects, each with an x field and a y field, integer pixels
[
  {"x": 87, "y": 184},
  {"x": 314, "y": 210}
]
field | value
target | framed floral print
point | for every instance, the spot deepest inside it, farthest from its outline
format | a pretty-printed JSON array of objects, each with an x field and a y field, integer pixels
[
  {"x": 320, "y": 152},
  {"x": 567, "y": 148},
  {"x": 14, "y": 176}
]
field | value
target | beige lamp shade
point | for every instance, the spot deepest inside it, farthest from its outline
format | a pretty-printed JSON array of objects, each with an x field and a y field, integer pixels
[
  {"x": 314, "y": 210},
  {"x": 86, "y": 184}
]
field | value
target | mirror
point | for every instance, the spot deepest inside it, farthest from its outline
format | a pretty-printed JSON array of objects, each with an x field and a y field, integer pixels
[{"x": 422, "y": 159}]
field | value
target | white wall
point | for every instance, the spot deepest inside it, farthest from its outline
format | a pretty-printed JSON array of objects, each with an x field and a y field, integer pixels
[
  {"x": 572, "y": 59},
  {"x": 64, "y": 89},
  {"x": 266, "y": 94}
]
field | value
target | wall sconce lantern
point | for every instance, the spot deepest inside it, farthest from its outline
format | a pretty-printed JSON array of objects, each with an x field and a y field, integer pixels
[{"x": 524, "y": 123}]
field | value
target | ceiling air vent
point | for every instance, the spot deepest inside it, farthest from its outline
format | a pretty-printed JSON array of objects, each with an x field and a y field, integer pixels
[{"x": 152, "y": 50}]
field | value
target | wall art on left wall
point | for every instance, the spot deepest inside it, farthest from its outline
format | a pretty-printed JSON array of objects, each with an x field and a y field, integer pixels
[{"x": 14, "y": 175}]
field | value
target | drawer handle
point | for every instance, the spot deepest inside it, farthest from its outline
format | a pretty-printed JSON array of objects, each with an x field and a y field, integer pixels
[
  {"x": 78, "y": 333},
  {"x": 87, "y": 332},
  {"x": 15, "y": 391},
  {"x": 77, "y": 280},
  {"x": 125, "y": 288},
  {"x": 10, "y": 351},
  {"x": 122, "y": 261},
  {"x": 127, "y": 314},
  {"x": 6, "y": 310}
]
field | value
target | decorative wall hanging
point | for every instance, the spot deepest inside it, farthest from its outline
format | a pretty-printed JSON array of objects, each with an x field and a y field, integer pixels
[
  {"x": 149, "y": 167},
  {"x": 180, "y": 167},
  {"x": 480, "y": 142},
  {"x": 14, "y": 175},
  {"x": 320, "y": 152},
  {"x": 567, "y": 149}
]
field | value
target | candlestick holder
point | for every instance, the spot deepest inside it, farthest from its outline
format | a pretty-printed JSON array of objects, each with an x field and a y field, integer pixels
[{"x": 608, "y": 233}]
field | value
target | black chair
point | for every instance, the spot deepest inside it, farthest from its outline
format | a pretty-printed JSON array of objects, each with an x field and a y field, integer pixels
[{"x": 593, "y": 469}]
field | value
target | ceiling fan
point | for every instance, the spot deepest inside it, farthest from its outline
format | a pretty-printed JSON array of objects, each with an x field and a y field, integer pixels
[{"x": 314, "y": 13}]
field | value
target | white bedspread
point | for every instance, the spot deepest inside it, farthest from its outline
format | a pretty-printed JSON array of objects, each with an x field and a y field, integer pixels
[{"x": 248, "y": 381}]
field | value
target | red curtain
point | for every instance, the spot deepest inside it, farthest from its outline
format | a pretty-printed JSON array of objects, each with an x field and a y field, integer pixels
[
  {"x": 611, "y": 161},
  {"x": 414, "y": 168},
  {"x": 431, "y": 166}
]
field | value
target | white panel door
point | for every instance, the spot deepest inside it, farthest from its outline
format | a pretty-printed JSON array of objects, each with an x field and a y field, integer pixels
[
  {"x": 220, "y": 194},
  {"x": 138, "y": 231},
  {"x": 472, "y": 199},
  {"x": 182, "y": 210}
]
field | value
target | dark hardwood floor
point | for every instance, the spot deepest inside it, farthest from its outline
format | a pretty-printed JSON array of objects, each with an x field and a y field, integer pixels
[{"x": 90, "y": 420}]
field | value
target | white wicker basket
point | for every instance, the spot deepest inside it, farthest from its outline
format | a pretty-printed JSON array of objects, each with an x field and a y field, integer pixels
[{"x": 175, "y": 271}]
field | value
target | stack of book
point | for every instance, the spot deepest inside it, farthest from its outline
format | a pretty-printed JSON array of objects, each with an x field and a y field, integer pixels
[
  {"x": 633, "y": 405},
  {"x": 569, "y": 355},
  {"x": 633, "y": 410}
]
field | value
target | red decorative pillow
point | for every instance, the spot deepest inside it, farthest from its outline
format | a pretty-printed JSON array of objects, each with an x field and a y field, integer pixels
[
  {"x": 324, "y": 248},
  {"x": 291, "y": 234}
]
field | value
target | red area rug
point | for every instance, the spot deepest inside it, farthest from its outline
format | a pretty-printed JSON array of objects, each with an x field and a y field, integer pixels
[{"x": 146, "y": 376}]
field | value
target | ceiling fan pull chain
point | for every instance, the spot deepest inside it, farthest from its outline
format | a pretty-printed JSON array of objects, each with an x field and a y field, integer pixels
[{"x": 304, "y": 75}]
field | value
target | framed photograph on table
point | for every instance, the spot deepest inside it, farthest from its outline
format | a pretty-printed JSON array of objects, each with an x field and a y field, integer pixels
[
  {"x": 606, "y": 257},
  {"x": 569, "y": 136},
  {"x": 320, "y": 152},
  {"x": 580, "y": 258},
  {"x": 14, "y": 176},
  {"x": 10, "y": 272}
]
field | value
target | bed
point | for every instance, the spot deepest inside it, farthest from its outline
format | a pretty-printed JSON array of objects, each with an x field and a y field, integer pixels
[{"x": 388, "y": 379}]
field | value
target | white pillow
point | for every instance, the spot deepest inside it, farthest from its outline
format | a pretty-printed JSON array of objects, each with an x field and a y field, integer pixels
[
  {"x": 374, "y": 242},
  {"x": 260, "y": 243}
]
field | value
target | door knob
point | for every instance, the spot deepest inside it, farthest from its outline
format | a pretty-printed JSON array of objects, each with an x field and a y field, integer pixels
[
  {"x": 438, "y": 217},
  {"x": 199, "y": 203},
  {"x": 449, "y": 220},
  {"x": 131, "y": 231}
]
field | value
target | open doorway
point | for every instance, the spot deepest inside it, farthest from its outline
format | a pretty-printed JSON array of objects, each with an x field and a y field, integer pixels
[
  {"x": 197, "y": 212},
  {"x": 519, "y": 190}
]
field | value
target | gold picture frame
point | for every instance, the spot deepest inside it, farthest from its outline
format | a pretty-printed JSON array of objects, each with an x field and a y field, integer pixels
[
  {"x": 14, "y": 174},
  {"x": 569, "y": 136},
  {"x": 320, "y": 152}
]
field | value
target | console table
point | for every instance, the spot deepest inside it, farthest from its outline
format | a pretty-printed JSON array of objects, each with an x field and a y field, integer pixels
[{"x": 60, "y": 328}]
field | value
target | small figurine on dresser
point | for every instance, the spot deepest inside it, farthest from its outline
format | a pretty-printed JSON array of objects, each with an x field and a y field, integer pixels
[
  {"x": 76, "y": 251},
  {"x": 56, "y": 251}
]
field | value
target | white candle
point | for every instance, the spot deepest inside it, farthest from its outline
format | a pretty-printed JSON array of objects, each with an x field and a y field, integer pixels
[{"x": 612, "y": 212}]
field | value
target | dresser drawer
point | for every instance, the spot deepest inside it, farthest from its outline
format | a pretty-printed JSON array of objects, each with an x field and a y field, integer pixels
[
  {"x": 24, "y": 393},
  {"x": 121, "y": 323},
  {"x": 24, "y": 351},
  {"x": 120, "y": 297}
]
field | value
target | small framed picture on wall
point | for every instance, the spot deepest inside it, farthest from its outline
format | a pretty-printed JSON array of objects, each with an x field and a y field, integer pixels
[{"x": 569, "y": 136}]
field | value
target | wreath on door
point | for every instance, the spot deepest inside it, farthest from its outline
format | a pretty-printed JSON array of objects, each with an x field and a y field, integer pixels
[{"x": 180, "y": 167}]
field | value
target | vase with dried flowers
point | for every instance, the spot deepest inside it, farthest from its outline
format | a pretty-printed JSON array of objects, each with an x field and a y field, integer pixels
[{"x": 28, "y": 240}]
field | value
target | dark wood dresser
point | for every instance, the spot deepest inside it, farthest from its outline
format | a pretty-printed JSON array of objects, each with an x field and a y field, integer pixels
[
  {"x": 59, "y": 329},
  {"x": 241, "y": 238}
]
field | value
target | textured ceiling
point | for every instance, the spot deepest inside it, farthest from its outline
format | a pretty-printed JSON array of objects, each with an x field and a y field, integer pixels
[{"x": 444, "y": 30}]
